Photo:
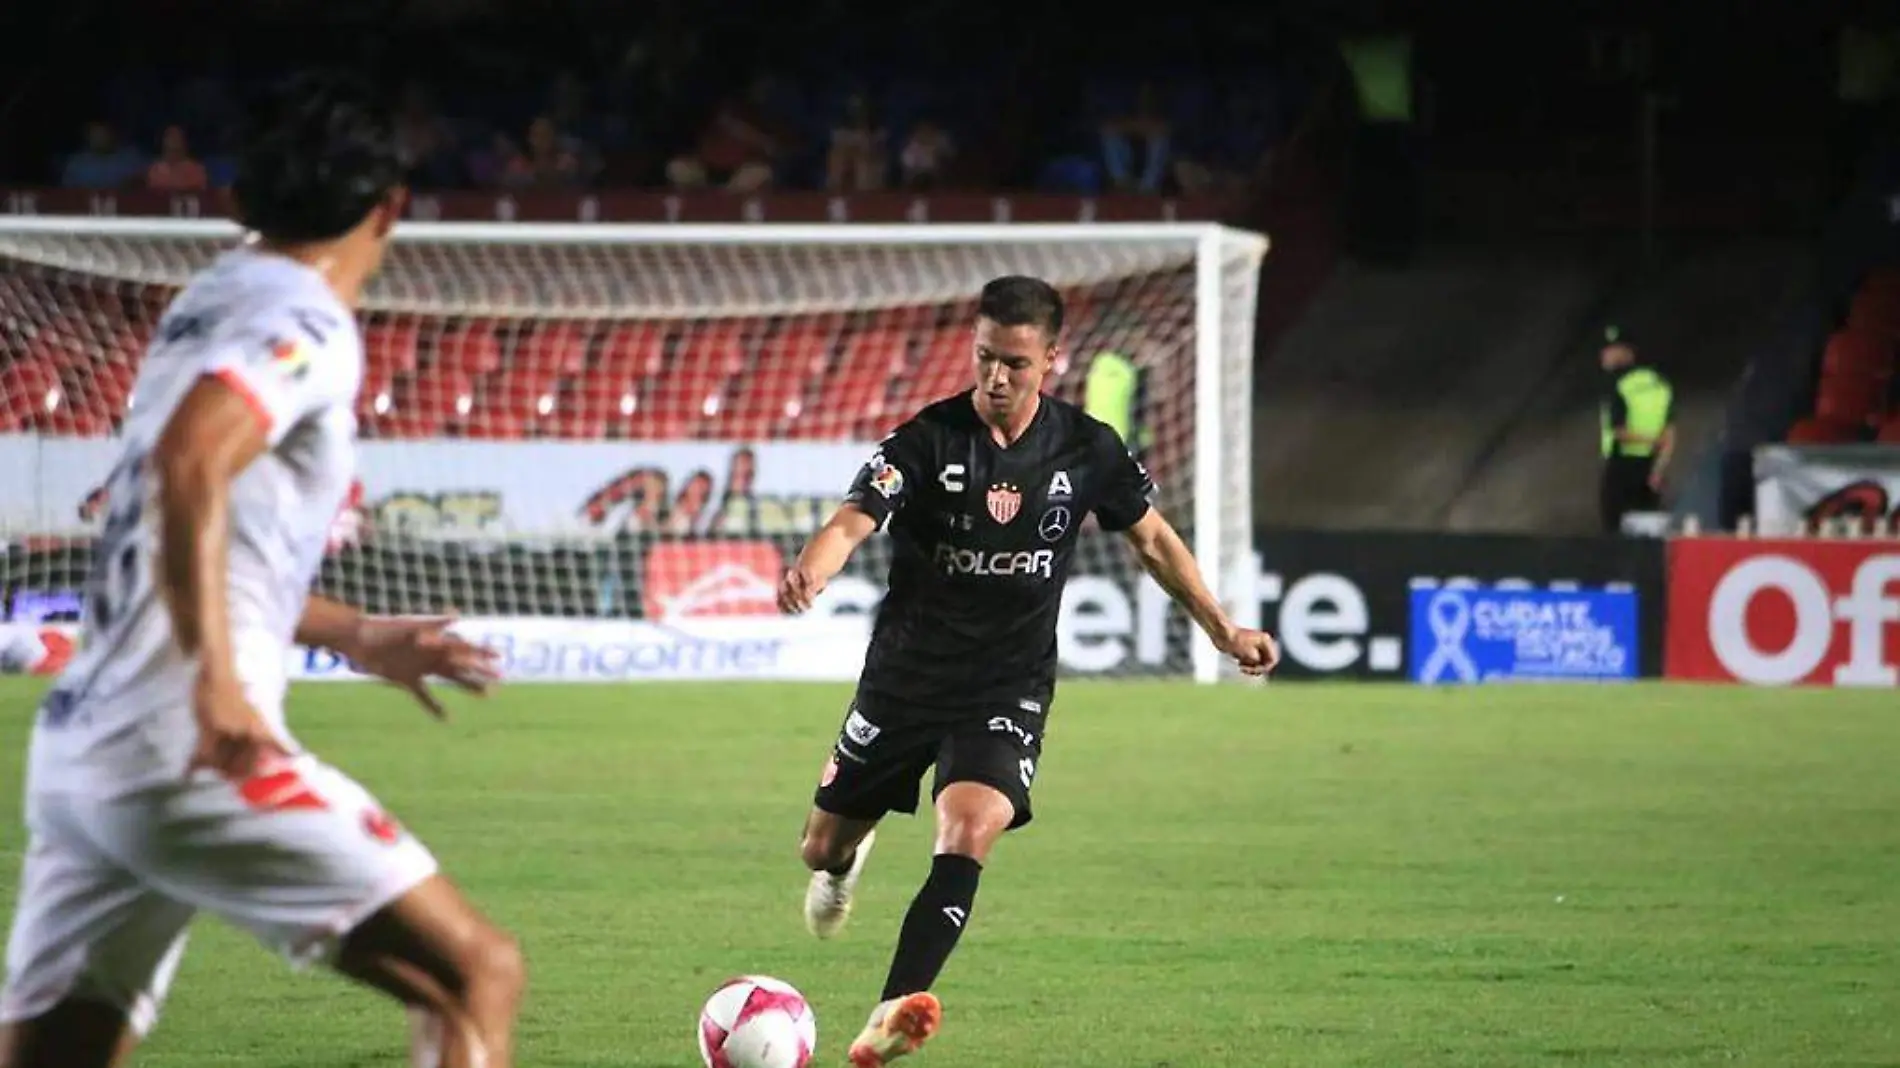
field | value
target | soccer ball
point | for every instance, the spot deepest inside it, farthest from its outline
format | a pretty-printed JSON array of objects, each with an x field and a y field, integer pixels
[{"x": 756, "y": 1021}]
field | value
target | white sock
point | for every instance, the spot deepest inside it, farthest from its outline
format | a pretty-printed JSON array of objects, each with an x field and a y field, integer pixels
[{"x": 425, "y": 1039}]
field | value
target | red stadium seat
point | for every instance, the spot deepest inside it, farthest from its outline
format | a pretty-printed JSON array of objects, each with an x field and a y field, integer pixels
[
  {"x": 470, "y": 348},
  {"x": 1876, "y": 311},
  {"x": 428, "y": 404},
  {"x": 1849, "y": 399},
  {"x": 555, "y": 349},
  {"x": 1853, "y": 352},
  {"x": 944, "y": 367},
  {"x": 762, "y": 401},
  {"x": 851, "y": 401},
  {"x": 29, "y": 389},
  {"x": 681, "y": 400},
  {"x": 1814, "y": 430},
  {"x": 634, "y": 350},
  {"x": 581, "y": 413}
]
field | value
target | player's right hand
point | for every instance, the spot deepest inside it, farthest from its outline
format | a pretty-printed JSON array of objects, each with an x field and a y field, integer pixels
[
  {"x": 233, "y": 739},
  {"x": 798, "y": 589}
]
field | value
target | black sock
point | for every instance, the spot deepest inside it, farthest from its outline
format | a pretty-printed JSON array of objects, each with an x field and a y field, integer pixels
[
  {"x": 843, "y": 869},
  {"x": 936, "y": 917}
]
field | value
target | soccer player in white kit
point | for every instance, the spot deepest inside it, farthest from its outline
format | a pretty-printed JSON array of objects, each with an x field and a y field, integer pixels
[{"x": 162, "y": 781}]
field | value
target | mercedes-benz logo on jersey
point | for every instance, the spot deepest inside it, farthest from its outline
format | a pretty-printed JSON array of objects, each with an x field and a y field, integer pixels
[{"x": 1055, "y": 523}]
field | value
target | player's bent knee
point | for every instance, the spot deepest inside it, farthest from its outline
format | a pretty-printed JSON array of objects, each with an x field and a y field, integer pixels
[
  {"x": 971, "y": 817},
  {"x": 818, "y": 852},
  {"x": 828, "y": 840},
  {"x": 492, "y": 960},
  {"x": 827, "y": 850}
]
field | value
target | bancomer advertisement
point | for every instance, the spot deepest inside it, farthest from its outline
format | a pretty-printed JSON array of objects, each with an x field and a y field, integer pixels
[{"x": 578, "y": 650}]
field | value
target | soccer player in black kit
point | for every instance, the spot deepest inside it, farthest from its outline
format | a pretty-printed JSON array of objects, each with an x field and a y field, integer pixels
[{"x": 983, "y": 494}]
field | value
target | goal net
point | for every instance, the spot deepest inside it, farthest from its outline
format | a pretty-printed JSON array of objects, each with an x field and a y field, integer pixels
[{"x": 632, "y": 423}]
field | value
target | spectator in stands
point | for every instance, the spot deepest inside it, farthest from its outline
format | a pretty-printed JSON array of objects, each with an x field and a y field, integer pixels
[
  {"x": 926, "y": 155},
  {"x": 1639, "y": 432},
  {"x": 1235, "y": 150},
  {"x": 104, "y": 163},
  {"x": 487, "y": 166},
  {"x": 424, "y": 142},
  {"x": 176, "y": 170},
  {"x": 1144, "y": 130},
  {"x": 860, "y": 154},
  {"x": 552, "y": 160},
  {"x": 738, "y": 149},
  {"x": 572, "y": 110}
]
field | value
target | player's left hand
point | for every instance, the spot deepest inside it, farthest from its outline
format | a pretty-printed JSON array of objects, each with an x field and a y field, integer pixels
[
  {"x": 408, "y": 650},
  {"x": 1254, "y": 650}
]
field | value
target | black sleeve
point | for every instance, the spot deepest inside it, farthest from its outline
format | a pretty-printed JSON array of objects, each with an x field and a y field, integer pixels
[
  {"x": 1126, "y": 489},
  {"x": 891, "y": 475},
  {"x": 1619, "y": 409}
]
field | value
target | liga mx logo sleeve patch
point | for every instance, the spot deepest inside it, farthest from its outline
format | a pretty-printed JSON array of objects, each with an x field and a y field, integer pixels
[
  {"x": 886, "y": 479},
  {"x": 1004, "y": 502}
]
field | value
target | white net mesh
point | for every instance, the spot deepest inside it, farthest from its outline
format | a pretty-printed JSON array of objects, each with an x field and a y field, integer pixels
[{"x": 640, "y": 422}]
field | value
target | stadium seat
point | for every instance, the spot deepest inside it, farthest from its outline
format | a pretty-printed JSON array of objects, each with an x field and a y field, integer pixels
[
  {"x": 679, "y": 401},
  {"x": 774, "y": 392},
  {"x": 390, "y": 348},
  {"x": 634, "y": 350},
  {"x": 428, "y": 404},
  {"x": 1858, "y": 353},
  {"x": 554, "y": 349},
  {"x": 1889, "y": 431},
  {"x": 528, "y": 389},
  {"x": 581, "y": 413},
  {"x": 1815, "y": 430},
  {"x": 471, "y": 348},
  {"x": 603, "y": 399},
  {"x": 850, "y": 402},
  {"x": 762, "y": 401},
  {"x": 1852, "y": 399},
  {"x": 1875, "y": 310},
  {"x": 943, "y": 367},
  {"x": 29, "y": 389}
]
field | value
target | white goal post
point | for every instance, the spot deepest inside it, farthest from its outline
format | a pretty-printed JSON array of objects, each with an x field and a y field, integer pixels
[{"x": 599, "y": 421}]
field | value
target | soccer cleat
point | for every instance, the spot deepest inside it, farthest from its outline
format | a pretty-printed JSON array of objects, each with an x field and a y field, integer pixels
[
  {"x": 897, "y": 1027},
  {"x": 828, "y": 897}
]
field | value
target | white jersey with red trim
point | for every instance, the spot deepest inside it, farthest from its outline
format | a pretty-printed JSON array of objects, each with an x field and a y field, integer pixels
[{"x": 119, "y": 718}]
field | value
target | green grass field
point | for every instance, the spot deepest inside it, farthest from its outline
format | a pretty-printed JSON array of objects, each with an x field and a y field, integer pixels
[{"x": 1291, "y": 875}]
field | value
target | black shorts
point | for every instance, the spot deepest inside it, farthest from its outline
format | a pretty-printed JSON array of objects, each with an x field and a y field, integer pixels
[{"x": 884, "y": 748}]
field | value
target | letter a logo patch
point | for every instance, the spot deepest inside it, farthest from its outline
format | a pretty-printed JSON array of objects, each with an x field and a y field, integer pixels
[{"x": 1005, "y": 501}]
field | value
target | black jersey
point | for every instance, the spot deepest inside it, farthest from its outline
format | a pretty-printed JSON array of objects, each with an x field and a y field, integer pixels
[{"x": 982, "y": 540}]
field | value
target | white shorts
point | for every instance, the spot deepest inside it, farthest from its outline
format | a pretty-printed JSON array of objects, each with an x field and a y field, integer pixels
[{"x": 298, "y": 856}]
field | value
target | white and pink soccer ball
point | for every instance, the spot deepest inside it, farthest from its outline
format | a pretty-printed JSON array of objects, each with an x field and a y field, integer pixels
[{"x": 756, "y": 1021}]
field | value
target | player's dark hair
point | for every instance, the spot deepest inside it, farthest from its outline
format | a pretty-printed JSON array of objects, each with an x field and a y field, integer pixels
[
  {"x": 318, "y": 152},
  {"x": 1019, "y": 300}
]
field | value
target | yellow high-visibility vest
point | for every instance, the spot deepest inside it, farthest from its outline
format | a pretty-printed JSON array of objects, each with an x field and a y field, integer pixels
[{"x": 1646, "y": 399}]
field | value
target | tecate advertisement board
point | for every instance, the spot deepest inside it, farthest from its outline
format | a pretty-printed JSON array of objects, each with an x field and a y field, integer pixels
[{"x": 1344, "y": 604}]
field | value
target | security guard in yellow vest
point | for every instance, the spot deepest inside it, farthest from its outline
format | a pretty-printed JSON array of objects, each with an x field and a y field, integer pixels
[
  {"x": 1113, "y": 395},
  {"x": 1639, "y": 432}
]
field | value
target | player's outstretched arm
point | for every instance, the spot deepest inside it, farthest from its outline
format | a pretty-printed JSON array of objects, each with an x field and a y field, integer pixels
[
  {"x": 823, "y": 557},
  {"x": 1165, "y": 556},
  {"x": 405, "y": 650}
]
